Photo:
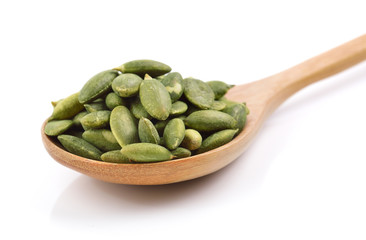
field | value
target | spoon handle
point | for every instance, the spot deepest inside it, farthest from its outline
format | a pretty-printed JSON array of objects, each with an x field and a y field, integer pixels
[{"x": 288, "y": 82}]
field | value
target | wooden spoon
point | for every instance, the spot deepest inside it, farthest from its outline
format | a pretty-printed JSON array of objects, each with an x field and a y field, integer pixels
[{"x": 262, "y": 98}]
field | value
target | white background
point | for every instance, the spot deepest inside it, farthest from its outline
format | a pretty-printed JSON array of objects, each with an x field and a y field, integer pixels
[{"x": 304, "y": 176}]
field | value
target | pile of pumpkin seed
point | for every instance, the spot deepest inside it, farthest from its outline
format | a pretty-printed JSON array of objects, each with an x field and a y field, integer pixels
[{"x": 142, "y": 112}]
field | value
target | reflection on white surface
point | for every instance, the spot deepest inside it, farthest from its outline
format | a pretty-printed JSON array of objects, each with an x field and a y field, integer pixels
[{"x": 87, "y": 199}]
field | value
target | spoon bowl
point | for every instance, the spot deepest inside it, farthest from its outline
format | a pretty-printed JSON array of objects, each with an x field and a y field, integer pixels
[
  {"x": 153, "y": 173},
  {"x": 262, "y": 98}
]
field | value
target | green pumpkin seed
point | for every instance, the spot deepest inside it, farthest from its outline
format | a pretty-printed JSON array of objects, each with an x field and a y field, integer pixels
[
  {"x": 97, "y": 86},
  {"x": 142, "y": 67},
  {"x": 218, "y": 105},
  {"x": 198, "y": 93},
  {"x": 230, "y": 103},
  {"x": 210, "y": 120},
  {"x": 161, "y": 77},
  {"x": 99, "y": 119},
  {"x": 178, "y": 108},
  {"x": 219, "y": 88},
  {"x": 138, "y": 110},
  {"x": 181, "y": 152},
  {"x": 67, "y": 108},
  {"x": 227, "y": 101},
  {"x": 126, "y": 85},
  {"x": 192, "y": 139},
  {"x": 78, "y": 117},
  {"x": 217, "y": 139},
  {"x": 54, "y": 103},
  {"x": 146, "y": 152},
  {"x": 95, "y": 106},
  {"x": 147, "y": 131},
  {"x": 112, "y": 100},
  {"x": 57, "y": 127},
  {"x": 247, "y": 111},
  {"x": 173, "y": 83},
  {"x": 238, "y": 112},
  {"x": 174, "y": 133},
  {"x": 79, "y": 147},
  {"x": 114, "y": 156},
  {"x": 103, "y": 139},
  {"x": 123, "y": 126},
  {"x": 155, "y": 99},
  {"x": 147, "y": 77}
]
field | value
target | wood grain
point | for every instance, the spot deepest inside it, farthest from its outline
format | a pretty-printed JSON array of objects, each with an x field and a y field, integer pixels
[{"x": 262, "y": 97}]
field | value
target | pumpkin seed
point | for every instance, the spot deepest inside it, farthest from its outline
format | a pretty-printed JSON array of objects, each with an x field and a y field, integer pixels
[
  {"x": 238, "y": 112},
  {"x": 114, "y": 156},
  {"x": 161, "y": 77},
  {"x": 112, "y": 100},
  {"x": 142, "y": 67},
  {"x": 181, "y": 152},
  {"x": 147, "y": 77},
  {"x": 227, "y": 101},
  {"x": 54, "y": 103},
  {"x": 99, "y": 119},
  {"x": 192, "y": 139},
  {"x": 97, "y": 86},
  {"x": 146, "y": 152},
  {"x": 57, "y": 127},
  {"x": 198, "y": 93},
  {"x": 95, "y": 106},
  {"x": 210, "y": 120},
  {"x": 138, "y": 110},
  {"x": 79, "y": 147},
  {"x": 155, "y": 99},
  {"x": 123, "y": 126},
  {"x": 218, "y": 105},
  {"x": 147, "y": 131},
  {"x": 103, "y": 139},
  {"x": 246, "y": 108},
  {"x": 173, "y": 83},
  {"x": 219, "y": 88},
  {"x": 217, "y": 139},
  {"x": 67, "y": 108},
  {"x": 126, "y": 85},
  {"x": 174, "y": 133},
  {"x": 178, "y": 108},
  {"x": 78, "y": 117}
]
